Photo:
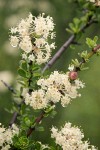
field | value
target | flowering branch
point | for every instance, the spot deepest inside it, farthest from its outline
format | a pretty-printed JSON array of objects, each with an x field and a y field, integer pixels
[
  {"x": 72, "y": 76},
  {"x": 65, "y": 46},
  {"x": 41, "y": 93}
]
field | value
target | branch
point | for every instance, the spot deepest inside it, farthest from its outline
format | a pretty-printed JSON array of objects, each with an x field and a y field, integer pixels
[
  {"x": 37, "y": 121},
  {"x": 49, "y": 65},
  {"x": 39, "y": 118},
  {"x": 15, "y": 114},
  {"x": 65, "y": 46},
  {"x": 10, "y": 88}
]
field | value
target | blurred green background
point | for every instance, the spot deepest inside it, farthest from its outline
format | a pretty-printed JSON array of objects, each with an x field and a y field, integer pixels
[{"x": 84, "y": 111}]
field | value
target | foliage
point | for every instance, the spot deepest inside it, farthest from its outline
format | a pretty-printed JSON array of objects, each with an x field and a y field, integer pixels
[{"x": 39, "y": 92}]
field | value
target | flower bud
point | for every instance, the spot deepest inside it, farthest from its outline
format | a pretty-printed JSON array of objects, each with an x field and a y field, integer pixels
[{"x": 73, "y": 75}]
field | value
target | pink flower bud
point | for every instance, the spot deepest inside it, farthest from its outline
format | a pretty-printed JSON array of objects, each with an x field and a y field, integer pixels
[{"x": 73, "y": 75}]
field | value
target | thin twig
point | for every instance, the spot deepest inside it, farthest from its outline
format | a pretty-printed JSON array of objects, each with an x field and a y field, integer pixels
[
  {"x": 16, "y": 113},
  {"x": 10, "y": 88},
  {"x": 37, "y": 121},
  {"x": 65, "y": 46}
]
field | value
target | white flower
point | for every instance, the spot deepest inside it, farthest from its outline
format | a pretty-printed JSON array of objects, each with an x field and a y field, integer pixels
[
  {"x": 36, "y": 100},
  {"x": 58, "y": 88},
  {"x": 32, "y": 34},
  {"x": 14, "y": 30},
  {"x": 31, "y": 57},
  {"x": 71, "y": 67},
  {"x": 26, "y": 44},
  {"x": 24, "y": 56},
  {"x": 70, "y": 138},
  {"x": 53, "y": 95},
  {"x": 6, "y": 135},
  {"x": 14, "y": 41},
  {"x": 97, "y": 2}
]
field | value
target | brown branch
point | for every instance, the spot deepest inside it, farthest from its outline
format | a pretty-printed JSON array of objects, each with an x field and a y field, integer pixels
[
  {"x": 90, "y": 54},
  {"x": 96, "y": 48},
  {"x": 16, "y": 113},
  {"x": 39, "y": 118},
  {"x": 37, "y": 121},
  {"x": 51, "y": 62},
  {"x": 10, "y": 88},
  {"x": 65, "y": 46}
]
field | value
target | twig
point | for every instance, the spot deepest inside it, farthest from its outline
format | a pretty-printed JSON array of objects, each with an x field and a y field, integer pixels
[
  {"x": 65, "y": 46},
  {"x": 15, "y": 114},
  {"x": 10, "y": 88},
  {"x": 37, "y": 121},
  {"x": 90, "y": 54}
]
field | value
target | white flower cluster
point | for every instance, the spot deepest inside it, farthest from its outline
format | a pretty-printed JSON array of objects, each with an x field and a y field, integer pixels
[
  {"x": 97, "y": 2},
  {"x": 32, "y": 35},
  {"x": 55, "y": 88},
  {"x": 70, "y": 138},
  {"x": 6, "y": 135}
]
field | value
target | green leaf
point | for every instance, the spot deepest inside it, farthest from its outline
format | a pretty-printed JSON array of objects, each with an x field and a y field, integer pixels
[
  {"x": 95, "y": 38},
  {"x": 36, "y": 74},
  {"x": 91, "y": 43},
  {"x": 22, "y": 73},
  {"x": 35, "y": 68},
  {"x": 27, "y": 121},
  {"x": 24, "y": 65},
  {"x": 76, "y": 21},
  {"x": 53, "y": 113},
  {"x": 68, "y": 30},
  {"x": 85, "y": 68},
  {"x": 71, "y": 25}
]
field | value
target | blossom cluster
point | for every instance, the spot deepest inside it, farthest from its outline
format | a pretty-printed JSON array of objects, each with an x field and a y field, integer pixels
[
  {"x": 57, "y": 87},
  {"x": 32, "y": 35},
  {"x": 70, "y": 138},
  {"x": 6, "y": 135},
  {"x": 97, "y": 2}
]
